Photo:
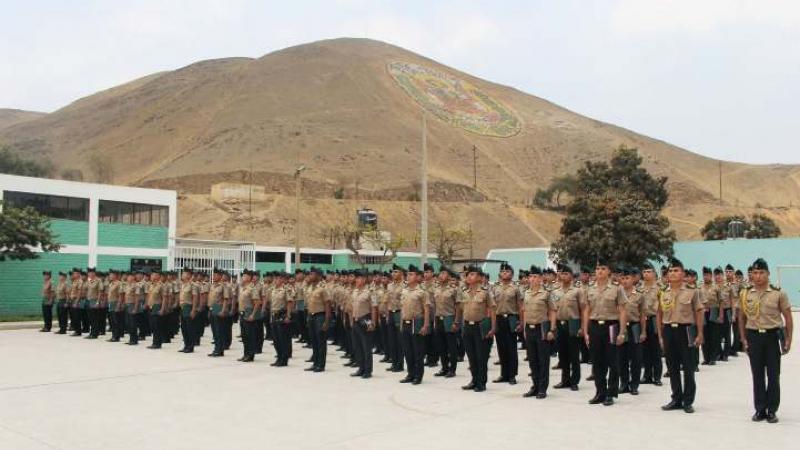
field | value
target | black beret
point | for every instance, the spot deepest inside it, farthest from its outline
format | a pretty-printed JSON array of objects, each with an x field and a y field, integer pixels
[
  {"x": 728, "y": 267},
  {"x": 675, "y": 262},
  {"x": 648, "y": 266},
  {"x": 561, "y": 267},
  {"x": 506, "y": 266},
  {"x": 707, "y": 270},
  {"x": 90, "y": 269},
  {"x": 427, "y": 267},
  {"x": 62, "y": 274},
  {"x": 47, "y": 272},
  {"x": 395, "y": 267},
  {"x": 534, "y": 270},
  {"x": 738, "y": 272},
  {"x": 413, "y": 269},
  {"x": 470, "y": 269},
  {"x": 360, "y": 272},
  {"x": 602, "y": 262},
  {"x": 718, "y": 271},
  {"x": 691, "y": 273},
  {"x": 760, "y": 264}
]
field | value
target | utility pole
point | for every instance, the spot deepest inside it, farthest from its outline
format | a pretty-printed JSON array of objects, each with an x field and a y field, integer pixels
[
  {"x": 298, "y": 185},
  {"x": 720, "y": 183},
  {"x": 424, "y": 195},
  {"x": 474, "y": 167},
  {"x": 251, "y": 192}
]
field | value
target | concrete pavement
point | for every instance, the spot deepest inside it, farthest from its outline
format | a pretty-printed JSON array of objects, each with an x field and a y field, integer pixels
[{"x": 61, "y": 392}]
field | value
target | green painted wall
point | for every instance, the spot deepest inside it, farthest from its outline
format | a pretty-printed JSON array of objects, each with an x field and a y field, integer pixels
[
  {"x": 70, "y": 231},
  {"x": 270, "y": 267},
  {"x": 106, "y": 262},
  {"x": 137, "y": 236},
  {"x": 20, "y": 281}
]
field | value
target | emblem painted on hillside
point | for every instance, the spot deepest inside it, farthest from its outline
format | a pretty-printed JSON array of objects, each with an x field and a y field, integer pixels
[{"x": 454, "y": 101}]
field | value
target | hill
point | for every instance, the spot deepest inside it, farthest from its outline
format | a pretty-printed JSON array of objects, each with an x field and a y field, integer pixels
[
  {"x": 350, "y": 111},
  {"x": 10, "y": 117}
]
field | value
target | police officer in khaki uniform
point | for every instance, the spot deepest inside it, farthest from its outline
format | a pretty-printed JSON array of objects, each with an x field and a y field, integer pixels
[
  {"x": 93, "y": 287},
  {"x": 249, "y": 304},
  {"x": 132, "y": 306},
  {"x": 651, "y": 360},
  {"x": 219, "y": 298},
  {"x": 713, "y": 318},
  {"x": 445, "y": 326},
  {"x": 363, "y": 320},
  {"x": 766, "y": 328},
  {"x": 476, "y": 307},
  {"x": 415, "y": 316},
  {"x": 189, "y": 301},
  {"x": 157, "y": 304},
  {"x": 115, "y": 306},
  {"x": 680, "y": 320},
  {"x": 47, "y": 301},
  {"x": 281, "y": 304},
  {"x": 631, "y": 351},
  {"x": 509, "y": 299},
  {"x": 604, "y": 324},
  {"x": 318, "y": 304},
  {"x": 394, "y": 331},
  {"x": 539, "y": 316},
  {"x": 569, "y": 302},
  {"x": 62, "y": 302}
]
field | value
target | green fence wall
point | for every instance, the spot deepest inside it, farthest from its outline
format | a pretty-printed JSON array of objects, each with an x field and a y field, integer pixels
[
  {"x": 138, "y": 236},
  {"x": 70, "y": 231},
  {"x": 20, "y": 281}
]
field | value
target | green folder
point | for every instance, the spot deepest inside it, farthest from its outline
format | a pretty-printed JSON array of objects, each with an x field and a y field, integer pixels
[
  {"x": 691, "y": 334},
  {"x": 396, "y": 318},
  {"x": 216, "y": 308},
  {"x": 545, "y": 329},
  {"x": 574, "y": 326},
  {"x": 112, "y": 306},
  {"x": 486, "y": 325},
  {"x": 417, "y": 325},
  {"x": 155, "y": 309},
  {"x": 713, "y": 314},
  {"x": 448, "y": 323},
  {"x": 513, "y": 322},
  {"x": 636, "y": 330}
]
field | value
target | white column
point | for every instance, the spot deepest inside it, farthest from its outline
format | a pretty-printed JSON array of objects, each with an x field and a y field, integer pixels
[
  {"x": 288, "y": 261},
  {"x": 94, "y": 209}
]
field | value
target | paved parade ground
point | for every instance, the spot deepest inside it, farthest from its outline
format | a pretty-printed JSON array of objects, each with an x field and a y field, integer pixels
[{"x": 61, "y": 392}]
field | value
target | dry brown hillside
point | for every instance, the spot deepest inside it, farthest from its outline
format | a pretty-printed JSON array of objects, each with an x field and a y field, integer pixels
[
  {"x": 10, "y": 117},
  {"x": 340, "y": 108}
]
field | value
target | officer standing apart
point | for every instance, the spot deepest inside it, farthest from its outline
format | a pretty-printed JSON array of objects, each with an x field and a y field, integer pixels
[
  {"x": 47, "y": 301},
  {"x": 604, "y": 325},
  {"x": 477, "y": 309},
  {"x": 680, "y": 331},
  {"x": 764, "y": 337}
]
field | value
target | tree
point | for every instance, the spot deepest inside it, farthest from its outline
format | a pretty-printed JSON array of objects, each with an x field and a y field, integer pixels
[
  {"x": 550, "y": 198},
  {"x": 615, "y": 213},
  {"x": 101, "y": 167},
  {"x": 448, "y": 243},
  {"x": 22, "y": 230},
  {"x": 12, "y": 164},
  {"x": 758, "y": 226}
]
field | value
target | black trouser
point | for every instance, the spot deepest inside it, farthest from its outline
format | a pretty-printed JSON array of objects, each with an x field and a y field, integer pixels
[
  {"x": 736, "y": 343},
  {"x": 47, "y": 316},
  {"x": 118, "y": 324},
  {"x": 446, "y": 341},
  {"x": 680, "y": 357},
  {"x": 258, "y": 337},
  {"x": 568, "y": 355},
  {"x": 281, "y": 340},
  {"x": 380, "y": 336},
  {"x": 218, "y": 333},
  {"x": 630, "y": 371},
  {"x": 711, "y": 345},
  {"x": 303, "y": 327},
  {"x": 187, "y": 328},
  {"x": 477, "y": 349},
  {"x": 132, "y": 323},
  {"x": 319, "y": 339},
  {"x": 725, "y": 334},
  {"x": 157, "y": 328},
  {"x": 507, "y": 347},
  {"x": 765, "y": 357},
  {"x": 395, "y": 346},
  {"x": 431, "y": 355},
  {"x": 75, "y": 318},
  {"x": 538, "y": 349},
  {"x": 267, "y": 326},
  {"x": 414, "y": 350},
  {"x": 227, "y": 331},
  {"x": 249, "y": 336},
  {"x": 653, "y": 367},
  {"x": 84, "y": 315},
  {"x": 62, "y": 311},
  {"x": 95, "y": 320},
  {"x": 362, "y": 345},
  {"x": 605, "y": 358}
]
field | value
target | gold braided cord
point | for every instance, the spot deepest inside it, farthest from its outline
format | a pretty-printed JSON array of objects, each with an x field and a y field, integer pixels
[
  {"x": 751, "y": 308},
  {"x": 667, "y": 301}
]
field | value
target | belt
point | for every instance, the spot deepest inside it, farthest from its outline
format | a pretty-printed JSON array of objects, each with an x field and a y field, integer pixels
[
  {"x": 533, "y": 325},
  {"x": 317, "y": 313},
  {"x": 605, "y": 322},
  {"x": 394, "y": 310},
  {"x": 473, "y": 322},
  {"x": 764, "y": 330},
  {"x": 676, "y": 325},
  {"x": 407, "y": 321}
]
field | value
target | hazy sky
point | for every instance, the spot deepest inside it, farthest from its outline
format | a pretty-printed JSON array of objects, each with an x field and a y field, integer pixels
[{"x": 718, "y": 77}]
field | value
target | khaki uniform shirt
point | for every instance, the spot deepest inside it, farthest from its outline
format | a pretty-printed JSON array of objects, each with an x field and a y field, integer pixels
[
  {"x": 444, "y": 300},
  {"x": 93, "y": 288},
  {"x": 156, "y": 293},
  {"x": 536, "y": 305},
  {"x": 651, "y": 295},
  {"x": 710, "y": 295},
  {"x": 679, "y": 306},
  {"x": 363, "y": 300},
  {"x": 476, "y": 305},
  {"x": 114, "y": 288},
  {"x": 187, "y": 291},
  {"x": 217, "y": 293},
  {"x": 568, "y": 302},
  {"x": 84, "y": 288},
  {"x": 634, "y": 305},
  {"x": 763, "y": 309},
  {"x": 247, "y": 296},
  {"x": 412, "y": 302},
  {"x": 279, "y": 298},
  {"x": 506, "y": 296},
  {"x": 47, "y": 292},
  {"x": 605, "y": 301},
  {"x": 130, "y": 293},
  {"x": 316, "y": 297},
  {"x": 393, "y": 291},
  {"x": 61, "y": 291},
  {"x": 75, "y": 290}
]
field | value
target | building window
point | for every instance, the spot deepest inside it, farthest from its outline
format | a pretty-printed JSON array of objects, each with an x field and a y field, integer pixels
[
  {"x": 133, "y": 213},
  {"x": 271, "y": 257},
  {"x": 146, "y": 265},
  {"x": 52, "y": 206},
  {"x": 314, "y": 258}
]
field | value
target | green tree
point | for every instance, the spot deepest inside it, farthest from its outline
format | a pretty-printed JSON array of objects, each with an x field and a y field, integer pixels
[
  {"x": 22, "y": 230},
  {"x": 615, "y": 213},
  {"x": 757, "y": 226},
  {"x": 12, "y": 164},
  {"x": 550, "y": 198}
]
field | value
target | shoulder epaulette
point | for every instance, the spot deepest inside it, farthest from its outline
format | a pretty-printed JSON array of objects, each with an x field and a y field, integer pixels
[{"x": 775, "y": 288}]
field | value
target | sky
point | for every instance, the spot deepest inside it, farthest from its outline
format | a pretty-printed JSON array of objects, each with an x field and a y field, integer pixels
[{"x": 717, "y": 77}]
